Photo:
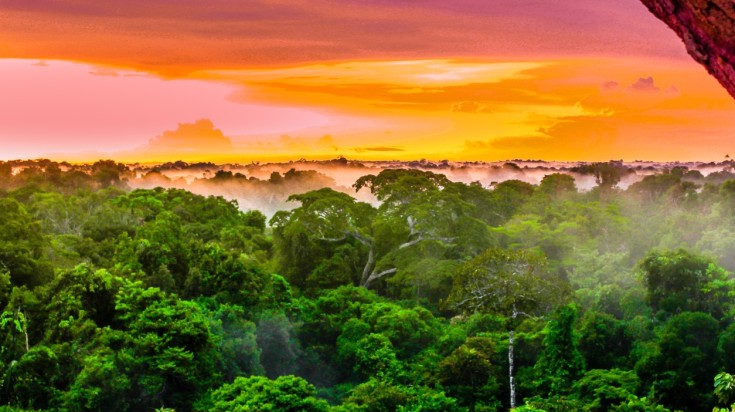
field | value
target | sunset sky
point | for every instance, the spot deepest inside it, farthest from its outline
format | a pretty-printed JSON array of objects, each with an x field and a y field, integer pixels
[{"x": 274, "y": 80}]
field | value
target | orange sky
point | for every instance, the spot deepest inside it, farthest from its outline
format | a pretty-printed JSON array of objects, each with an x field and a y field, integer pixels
[{"x": 285, "y": 79}]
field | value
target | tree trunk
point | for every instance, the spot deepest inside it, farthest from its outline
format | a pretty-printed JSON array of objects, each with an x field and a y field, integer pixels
[
  {"x": 25, "y": 332},
  {"x": 24, "y": 324},
  {"x": 511, "y": 366},
  {"x": 368, "y": 269},
  {"x": 511, "y": 359}
]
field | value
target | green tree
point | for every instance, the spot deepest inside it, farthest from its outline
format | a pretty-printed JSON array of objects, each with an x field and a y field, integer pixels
[
  {"x": 21, "y": 245},
  {"x": 373, "y": 354},
  {"x": 557, "y": 184},
  {"x": 410, "y": 330},
  {"x": 607, "y": 175},
  {"x": 257, "y": 393},
  {"x": 652, "y": 187},
  {"x": 325, "y": 317},
  {"x": 510, "y": 196},
  {"x": 236, "y": 337},
  {"x": 724, "y": 388},
  {"x": 726, "y": 347},
  {"x": 167, "y": 347},
  {"x": 324, "y": 216},
  {"x": 101, "y": 385},
  {"x": 425, "y": 399},
  {"x": 509, "y": 283},
  {"x": 279, "y": 346},
  {"x": 382, "y": 396},
  {"x": 227, "y": 276},
  {"x": 678, "y": 281},
  {"x": 602, "y": 340},
  {"x": 683, "y": 361},
  {"x": 79, "y": 302},
  {"x": 31, "y": 382},
  {"x": 416, "y": 210},
  {"x": 419, "y": 208},
  {"x": 561, "y": 363},
  {"x": 376, "y": 395},
  {"x": 383, "y": 333},
  {"x": 468, "y": 373},
  {"x": 108, "y": 173},
  {"x": 601, "y": 390}
]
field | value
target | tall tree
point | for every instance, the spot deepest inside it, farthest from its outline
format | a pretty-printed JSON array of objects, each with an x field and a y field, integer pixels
[
  {"x": 509, "y": 283},
  {"x": 327, "y": 216},
  {"x": 415, "y": 208}
]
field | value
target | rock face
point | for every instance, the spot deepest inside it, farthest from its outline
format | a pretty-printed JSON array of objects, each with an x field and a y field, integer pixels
[{"x": 707, "y": 27}]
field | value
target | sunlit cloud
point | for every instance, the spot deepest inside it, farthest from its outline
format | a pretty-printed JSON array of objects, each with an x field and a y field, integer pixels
[
  {"x": 200, "y": 136},
  {"x": 64, "y": 107},
  {"x": 377, "y": 149},
  {"x": 178, "y": 37},
  {"x": 645, "y": 85},
  {"x": 562, "y": 109},
  {"x": 469, "y": 106},
  {"x": 631, "y": 117}
]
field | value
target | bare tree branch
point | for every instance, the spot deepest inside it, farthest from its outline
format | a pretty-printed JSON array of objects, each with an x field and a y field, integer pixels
[{"x": 376, "y": 276}]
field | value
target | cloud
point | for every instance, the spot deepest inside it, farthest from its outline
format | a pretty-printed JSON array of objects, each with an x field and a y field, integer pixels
[
  {"x": 290, "y": 143},
  {"x": 182, "y": 36},
  {"x": 645, "y": 85},
  {"x": 198, "y": 137},
  {"x": 568, "y": 138},
  {"x": 105, "y": 71},
  {"x": 610, "y": 86},
  {"x": 196, "y": 141},
  {"x": 377, "y": 149},
  {"x": 328, "y": 142},
  {"x": 428, "y": 85},
  {"x": 306, "y": 144},
  {"x": 643, "y": 91},
  {"x": 672, "y": 90},
  {"x": 470, "y": 106}
]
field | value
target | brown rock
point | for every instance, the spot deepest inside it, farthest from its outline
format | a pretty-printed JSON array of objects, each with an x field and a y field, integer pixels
[{"x": 707, "y": 28}]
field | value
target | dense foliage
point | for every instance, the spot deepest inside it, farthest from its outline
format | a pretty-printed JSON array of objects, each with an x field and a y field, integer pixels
[{"x": 438, "y": 296}]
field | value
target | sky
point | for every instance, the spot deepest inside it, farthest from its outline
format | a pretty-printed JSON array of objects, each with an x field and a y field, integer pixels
[{"x": 275, "y": 80}]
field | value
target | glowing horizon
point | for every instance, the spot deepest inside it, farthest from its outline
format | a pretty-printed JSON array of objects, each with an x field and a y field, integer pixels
[{"x": 609, "y": 83}]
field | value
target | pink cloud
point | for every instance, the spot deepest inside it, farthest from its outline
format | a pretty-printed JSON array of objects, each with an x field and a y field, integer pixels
[
  {"x": 173, "y": 36},
  {"x": 200, "y": 136},
  {"x": 645, "y": 85},
  {"x": 62, "y": 108}
]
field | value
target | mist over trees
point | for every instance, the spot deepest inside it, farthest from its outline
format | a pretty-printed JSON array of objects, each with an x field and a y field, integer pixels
[{"x": 366, "y": 287}]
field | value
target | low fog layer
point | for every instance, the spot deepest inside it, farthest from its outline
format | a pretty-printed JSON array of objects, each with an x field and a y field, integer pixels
[{"x": 266, "y": 187}]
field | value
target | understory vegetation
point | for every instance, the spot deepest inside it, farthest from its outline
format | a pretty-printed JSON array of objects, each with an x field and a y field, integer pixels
[{"x": 438, "y": 296}]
